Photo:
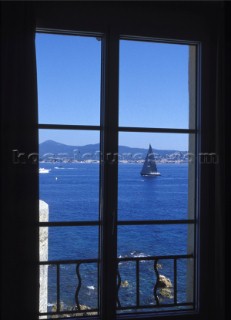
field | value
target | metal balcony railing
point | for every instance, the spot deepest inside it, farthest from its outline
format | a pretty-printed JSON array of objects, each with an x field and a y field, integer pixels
[{"x": 137, "y": 306}]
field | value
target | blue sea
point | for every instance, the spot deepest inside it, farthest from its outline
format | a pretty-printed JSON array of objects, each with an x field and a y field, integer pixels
[{"x": 72, "y": 192}]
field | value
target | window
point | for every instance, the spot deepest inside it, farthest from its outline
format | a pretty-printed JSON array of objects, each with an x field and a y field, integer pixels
[
  {"x": 68, "y": 86},
  {"x": 196, "y": 26},
  {"x": 111, "y": 237}
]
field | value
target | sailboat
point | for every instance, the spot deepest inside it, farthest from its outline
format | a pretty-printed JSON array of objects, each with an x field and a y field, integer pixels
[
  {"x": 149, "y": 167},
  {"x": 43, "y": 170}
]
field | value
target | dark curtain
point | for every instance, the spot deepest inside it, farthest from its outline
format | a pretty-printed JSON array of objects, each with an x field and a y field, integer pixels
[
  {"x": 227, "y": 104},
  {"x": 19, "y": 185},
  {"x": 218, "y": 237},
  {"x": 220, "y": 175}
]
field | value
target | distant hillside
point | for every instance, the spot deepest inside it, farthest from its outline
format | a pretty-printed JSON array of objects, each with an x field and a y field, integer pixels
[
  {"x": 52, "y": 148},
  {"x": 57, "y": 148}
]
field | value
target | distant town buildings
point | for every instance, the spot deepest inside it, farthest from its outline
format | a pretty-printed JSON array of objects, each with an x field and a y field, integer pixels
[{"x": 175, "y": 157}]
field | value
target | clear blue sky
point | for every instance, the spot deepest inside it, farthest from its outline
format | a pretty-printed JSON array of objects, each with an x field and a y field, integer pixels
[{"x": 153, "y": 89}]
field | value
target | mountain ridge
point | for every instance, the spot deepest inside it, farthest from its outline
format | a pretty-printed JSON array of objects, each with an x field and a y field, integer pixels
[{"x": 54, "y": 148}]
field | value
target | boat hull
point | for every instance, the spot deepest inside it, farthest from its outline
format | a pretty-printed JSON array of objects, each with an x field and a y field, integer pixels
[
  {"x": 154, "y": 174},
  {"x": 43, "y": 170}
]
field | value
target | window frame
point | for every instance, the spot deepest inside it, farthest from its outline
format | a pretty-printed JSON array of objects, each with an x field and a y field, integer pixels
[
  {"x": 110, "y": 136},
  {"x": 109, "y": 172}
]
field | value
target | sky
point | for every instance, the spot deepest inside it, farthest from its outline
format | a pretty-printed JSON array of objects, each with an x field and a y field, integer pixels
[{"x": 153, "y": 89}]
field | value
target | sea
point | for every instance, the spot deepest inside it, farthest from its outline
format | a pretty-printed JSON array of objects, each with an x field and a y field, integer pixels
[{"x": 71, "y": 191}]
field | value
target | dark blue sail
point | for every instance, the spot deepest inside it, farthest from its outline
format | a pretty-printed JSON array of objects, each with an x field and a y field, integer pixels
[{"x": 149, "y": 167}]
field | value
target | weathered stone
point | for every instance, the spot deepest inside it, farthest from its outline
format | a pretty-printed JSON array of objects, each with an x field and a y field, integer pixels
[
  {"x": 166, "y": 292},
  {"x": 43, "y": 256},
  {"x": 124, "y": 284},
  {"x": 84, "y": 307},
  {"x": 164, "y": 282}
]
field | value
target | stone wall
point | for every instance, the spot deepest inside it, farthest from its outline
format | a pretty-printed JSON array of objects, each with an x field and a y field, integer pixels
[{"x": 43, "y": 256}]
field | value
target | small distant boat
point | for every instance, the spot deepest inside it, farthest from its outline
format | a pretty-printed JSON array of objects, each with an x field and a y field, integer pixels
[
  {"x": 149, "y": 167},
  {"x": 43, "y": 170}
]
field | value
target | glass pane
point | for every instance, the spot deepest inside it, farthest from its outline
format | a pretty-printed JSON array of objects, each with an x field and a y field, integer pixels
[
  {"x": 169, "y": 195},
  {"x": 156, "y": 85},
  {"x": 149, "y": 299},
  {"x": 69, "y": 76},
  {"x": 68, "y": 72},
  {"x": 69, "y": 191},
  {"x": 70, "y": 255},
  {"x": 70, "y": 185},
  {"x": 72, "y": 243},
  {"x": 154, "y": 267},
  {"x": 156, "y": 182},
  {"x": 152, "y": 240},
  {"x": 69, "y": 282}
]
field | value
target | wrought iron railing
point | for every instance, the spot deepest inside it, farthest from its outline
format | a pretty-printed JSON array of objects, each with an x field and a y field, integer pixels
[
  {"x": 157, "y": 283},
  {"x": 138, "y": 306}
]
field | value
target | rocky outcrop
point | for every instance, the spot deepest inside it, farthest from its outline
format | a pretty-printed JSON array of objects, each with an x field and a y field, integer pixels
[
  {"x": 124, "y": 284},
  {"x": 164, "y": 282},
  {"x": 86, "y": 311},
  {"x": 165, "y": 287}
]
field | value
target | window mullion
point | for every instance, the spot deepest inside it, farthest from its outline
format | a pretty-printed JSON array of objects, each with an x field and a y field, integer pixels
[{"x": 109, "y": 174}]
